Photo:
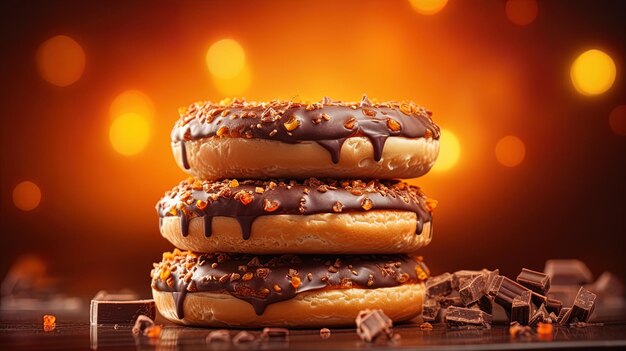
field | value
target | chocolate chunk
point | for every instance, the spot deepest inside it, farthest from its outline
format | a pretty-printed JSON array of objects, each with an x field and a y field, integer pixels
[
  {"x": 485, "y": 304},
  {"x": 472, "y": 290},
  {"x": 563, "y": 315},
  {"x": 538, "y": 299},
  {"x": 541, "y": 315},
  {"x": 554, "y": 306},
  {"x": 430, "y": 308},
  {"x": 440, "y": 285},
  {"x": 370, "y": 324},
  {"x": 119, "y": 312},
  {"x": 507, "y": 292},
  {"x": 536, "y": 281},
  {"x": 448, "y": 301},
  {"x": 491, "y": 279},
  {"x": 568, "y": 272},
  {"x": 564, "y": 293},
  {"x": 459, "y": 316},
  {"x": 583, "y": 306},
  {"x": 243, "y": 337},
  {"x": 275, "y": 334},
  {"x": 493, "y": 287},
  {"x": 459, "y": 278},
  {"x": 521, "y": 308},
  {"x": 141, "y": 324},
  {"x": 221, "y": 335}
]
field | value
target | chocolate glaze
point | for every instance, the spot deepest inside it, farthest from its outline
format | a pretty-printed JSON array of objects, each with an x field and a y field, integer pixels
[
  {"x": 328, "y": 123},
  {"x": 195, "y": 198},
  {"x": 264, "y": 280}
]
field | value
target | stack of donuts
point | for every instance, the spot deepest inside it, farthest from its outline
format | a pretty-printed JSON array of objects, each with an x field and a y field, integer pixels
[{"x": 292, "y": 217}]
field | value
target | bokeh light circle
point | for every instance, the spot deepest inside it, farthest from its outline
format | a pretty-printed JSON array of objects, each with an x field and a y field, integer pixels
[
  {"x": 129, "y": 133},
  {"x": 225, "y": 59},
  {"x": 428, "y": 7},
  {"x": 510, "y": 151},
  {"x": 617, "y": 120},
  {"x": 236, "y": 85},
  {"x": 26, "y": 196},
  {"x": 449, "y": 151},
  {"x": 132, "y": 101},
  {"x": 593, "y": 72},
  {"x": 60, "y": 60},
  {"x": 521, "y": 12}
]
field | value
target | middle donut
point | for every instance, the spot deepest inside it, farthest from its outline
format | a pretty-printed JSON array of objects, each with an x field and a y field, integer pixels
[{"x": 296, "y": 216}]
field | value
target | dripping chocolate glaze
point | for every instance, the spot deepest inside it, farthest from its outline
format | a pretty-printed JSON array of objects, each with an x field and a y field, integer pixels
[
  {"x": 264, "y": 280},
  {"x": 328, "y": 123},
  {"x": 194, "y": 198}
]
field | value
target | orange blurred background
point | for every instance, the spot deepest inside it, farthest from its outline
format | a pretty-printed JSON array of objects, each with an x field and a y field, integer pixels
[{"x": 533, "y": 162}]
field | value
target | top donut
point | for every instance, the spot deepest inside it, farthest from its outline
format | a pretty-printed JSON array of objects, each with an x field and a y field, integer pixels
[{"x": 294, "y": 139}]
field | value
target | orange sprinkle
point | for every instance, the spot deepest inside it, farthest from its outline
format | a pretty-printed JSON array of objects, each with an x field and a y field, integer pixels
[
  {"x": 295, "y": 281},
  {"x": 153, "y": 331},
  {"x": 49, "y": 322},
  {"x": 544, "y": 329},
  {"x": 233, "y": 183},
  {"x": 165, "y": 273},
  {"x": 431, "y": 204}
]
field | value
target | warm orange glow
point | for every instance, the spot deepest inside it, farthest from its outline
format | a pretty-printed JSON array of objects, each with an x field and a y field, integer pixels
[
  {"x": 234, "y": 86},
  {"x": 593, "y": 72},
  {"x": 449, "y": 151},
  {"x": 521, "y": 12},
  {"x": 226, "y": 59},
  {"x": 26, "y": 196},
  {"x": 510, "y": 151},
  {"x": 132, "y": 101},
  {"x": 129, "y": 133},
  {"x": 617, "y": 120},
  {"x": 428, "y": 7},
  {"x": 60, "y": 60}
]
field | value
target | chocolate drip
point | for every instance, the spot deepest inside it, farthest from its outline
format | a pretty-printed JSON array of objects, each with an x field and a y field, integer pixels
[
  {"x": 179, "y": 300},
  {"x": 183, "y": 151},
  {"x": 207, "y": 226},
  {"x": 264, "y": 280},
  {"x": 184, "y": 223},
  {"x": 333, "y": 147},
  {"x": 306, "y": 197},
  {"x": 328, "y": 123}
]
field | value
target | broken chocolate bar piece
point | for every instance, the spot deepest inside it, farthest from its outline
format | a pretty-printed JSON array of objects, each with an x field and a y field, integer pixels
[
  {"x": 440, "y": 285},
  {"x": 507, "y": 292},
  {"x": 106, "y": 309},
  {"x": 563, "y": 315},
  {"x": 448, "y": 301},
  {"x": 554, "y": 306},
  {"x": 275, "y": 334},
  {"x": 538, "y": 299},
  {"x": 485, "y": 303},
  {"x": 141, "y": 324},
  {"x": 582, "y": 309},
  {"x": 541, "y": 315},
  {"x": 521, "y": 308},
  {"x": 536, "y": 281},
  {"x": 370, "y": 324},
  {"x": 460, "y": 278},
  {"x": 568, "y": 272},
  {"x": 493, "y": 287},
  {"x": 490, "y": 279},
  {"x": 472, "y": 290},
  {"x": 220, "y": 335},
  {"x": 459, "y": 316},
  {"x": 430, "y": 308}
]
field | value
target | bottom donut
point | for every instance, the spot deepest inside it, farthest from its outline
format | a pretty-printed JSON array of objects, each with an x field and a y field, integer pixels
[{"x": 296, "y": 291}]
